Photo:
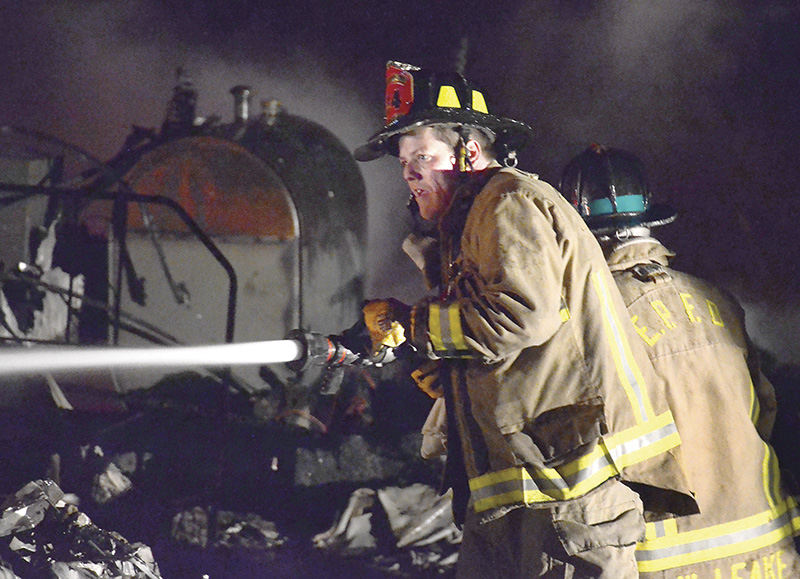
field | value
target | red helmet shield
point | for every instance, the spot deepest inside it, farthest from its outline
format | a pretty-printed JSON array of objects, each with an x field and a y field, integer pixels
[{"x": 399, "y": 92}]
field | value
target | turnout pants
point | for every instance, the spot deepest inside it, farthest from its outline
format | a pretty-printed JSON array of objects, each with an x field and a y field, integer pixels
[{"x": 593, "y": 536}]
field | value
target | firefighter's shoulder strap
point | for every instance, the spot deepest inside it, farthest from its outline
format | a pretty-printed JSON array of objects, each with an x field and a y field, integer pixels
[{"x": 651, "y": 272}]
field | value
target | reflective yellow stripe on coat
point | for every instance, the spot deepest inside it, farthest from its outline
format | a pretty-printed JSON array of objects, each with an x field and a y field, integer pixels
[
  {"x": 519, "y": 485},
  {"x": 444, "y": 328},
  {"x": 665, "y": 548},
  {"x": 628, "y": 371},
  {"x": 447, "y": 334},
  {"x": 651, "y": 435}
]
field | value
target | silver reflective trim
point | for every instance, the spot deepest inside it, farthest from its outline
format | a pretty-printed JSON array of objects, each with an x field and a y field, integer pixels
[
  {"x": 659, "y": 528},
  {"x": 500, "y": 488},
  {"x": 773, "y": 476},
  {"x": 721, "y": 541},
  {"x": 446, "y": 330},
  {"x": 549, "y": 485},
  {"x": 619, "y": 339},
  {"x": 566, "y": 483},
  {"x": 563, "y": 486},
  {"x": 635, "y": 445}
]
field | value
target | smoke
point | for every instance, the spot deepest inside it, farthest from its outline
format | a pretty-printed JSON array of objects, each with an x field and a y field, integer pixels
[
  {"x": 93, "y": 69},
  {"x": 704, "y": 91},
  {"x": 86, "y": 72},
  {"x": 699, "y": 90},
  {"x": 76, "y": 78}
]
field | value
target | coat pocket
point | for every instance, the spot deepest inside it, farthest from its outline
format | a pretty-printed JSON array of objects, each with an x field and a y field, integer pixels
[
  {"x": 610, "y": 515},
  {"x": 560, "y": 431}
]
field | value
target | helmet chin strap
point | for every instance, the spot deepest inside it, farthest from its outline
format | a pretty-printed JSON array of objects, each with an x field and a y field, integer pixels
[{"x": 463, "y": 162}]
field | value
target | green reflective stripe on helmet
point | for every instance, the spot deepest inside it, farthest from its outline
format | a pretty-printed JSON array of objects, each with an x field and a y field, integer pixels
[{"x": 625, "y": 204}]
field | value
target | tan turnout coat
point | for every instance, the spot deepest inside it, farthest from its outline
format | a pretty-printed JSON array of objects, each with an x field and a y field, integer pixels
[
  {"x": 550, "y": 391},
  {"x": 724, "y": 408}
]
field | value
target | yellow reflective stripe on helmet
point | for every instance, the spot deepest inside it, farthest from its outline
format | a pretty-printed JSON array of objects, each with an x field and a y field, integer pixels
[
  {"x": 445, "y": 331},
  {"x": 448, "y": 97},
  {"x": 521, "y": 485},
  {"x": 478, "y": 102},
  {"x": 627, "y": 369},
  {"x": 659, "y": 552}
]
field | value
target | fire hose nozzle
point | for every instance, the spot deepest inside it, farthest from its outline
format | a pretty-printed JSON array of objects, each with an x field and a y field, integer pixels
[{"x": 321, "y": 350}]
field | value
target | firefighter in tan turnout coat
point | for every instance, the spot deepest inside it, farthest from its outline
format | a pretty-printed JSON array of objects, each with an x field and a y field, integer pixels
[
  {"x": 723, "y": 405},
  {"x": 551, "y": 402}
]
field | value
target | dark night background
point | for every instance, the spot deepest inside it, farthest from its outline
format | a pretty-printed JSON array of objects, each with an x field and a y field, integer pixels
[{"x": 705, "y": 92}]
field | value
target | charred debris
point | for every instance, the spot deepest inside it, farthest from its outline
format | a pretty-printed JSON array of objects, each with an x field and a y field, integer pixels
[{"x": 201, "y": 232}]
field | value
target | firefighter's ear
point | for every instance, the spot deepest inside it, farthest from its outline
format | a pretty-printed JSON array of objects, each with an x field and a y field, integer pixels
[{"x": 474, "y": 151}]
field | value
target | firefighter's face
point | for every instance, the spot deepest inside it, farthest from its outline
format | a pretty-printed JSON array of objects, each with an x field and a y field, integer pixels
[{"x": 429, "y": 169}]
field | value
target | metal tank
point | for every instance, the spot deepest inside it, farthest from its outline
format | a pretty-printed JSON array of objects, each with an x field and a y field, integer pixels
[
  {"x": 279, "y": 196},
  {"x": 199, "y": 232}
]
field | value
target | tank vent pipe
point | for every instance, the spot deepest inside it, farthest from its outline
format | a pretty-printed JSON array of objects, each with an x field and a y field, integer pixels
[
  {"x": 270, "y": 109},
  {"x": 241, "y": 103}
]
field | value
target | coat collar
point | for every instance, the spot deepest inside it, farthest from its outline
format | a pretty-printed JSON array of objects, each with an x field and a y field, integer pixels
[
  {"x": 453, "y": 220},
  {"x": 625, "y": 254}
]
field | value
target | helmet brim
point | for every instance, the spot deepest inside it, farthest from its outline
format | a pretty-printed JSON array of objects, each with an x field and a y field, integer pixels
[
  {"x": 654, "y": 216},
  {"x": 514, "y": 135}
]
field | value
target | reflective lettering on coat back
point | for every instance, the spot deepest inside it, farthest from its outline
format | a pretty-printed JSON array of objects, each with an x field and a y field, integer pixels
[
  {"x": 690, "y": 307},
  {"x": 643, "y": 331},
  {"x": 713, "y": 311},
  {"x": 664, "y": 314},
  {"x": 768, "y": 567}
]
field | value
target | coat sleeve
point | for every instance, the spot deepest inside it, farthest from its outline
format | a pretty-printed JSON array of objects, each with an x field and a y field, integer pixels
[{"x": 509, "y": 285}]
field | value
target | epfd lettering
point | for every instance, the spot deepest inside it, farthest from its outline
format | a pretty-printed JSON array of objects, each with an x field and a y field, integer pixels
[{"x": 695, "y": 311}]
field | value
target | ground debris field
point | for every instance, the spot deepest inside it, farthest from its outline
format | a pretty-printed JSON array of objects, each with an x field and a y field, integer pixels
[
  {"x": 187, "y": 473},
  {"x": 186, "y": 479}
]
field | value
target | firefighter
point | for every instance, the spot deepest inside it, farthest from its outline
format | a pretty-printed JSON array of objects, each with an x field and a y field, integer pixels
[
  {"x": 724, "y": 407},
  {"x": 550, "y": 402}
]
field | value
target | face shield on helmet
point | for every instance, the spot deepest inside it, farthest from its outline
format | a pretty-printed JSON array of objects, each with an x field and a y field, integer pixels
[{"x": 609, "y": 189}]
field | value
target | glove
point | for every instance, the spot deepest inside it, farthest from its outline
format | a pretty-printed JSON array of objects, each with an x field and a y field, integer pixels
[
  {"x": 388, "y": 322},
  {"x": 426, "y": 378}
]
